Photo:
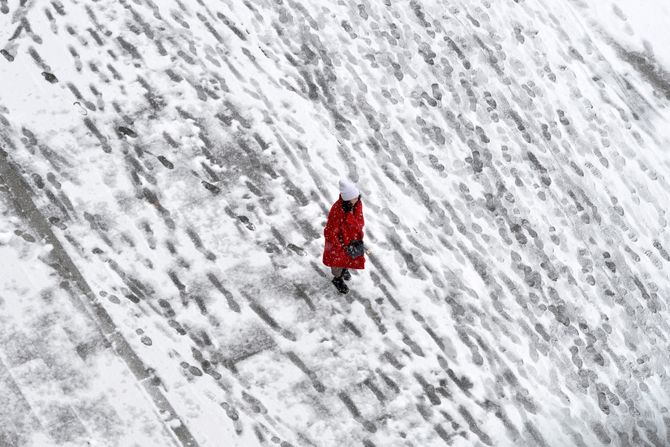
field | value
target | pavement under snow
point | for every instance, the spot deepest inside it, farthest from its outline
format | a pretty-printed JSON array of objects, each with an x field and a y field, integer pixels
[{"x": 165, "y": 173}]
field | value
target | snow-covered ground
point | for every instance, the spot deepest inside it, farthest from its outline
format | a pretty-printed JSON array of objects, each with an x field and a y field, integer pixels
[{"x": 165, "y": 174}]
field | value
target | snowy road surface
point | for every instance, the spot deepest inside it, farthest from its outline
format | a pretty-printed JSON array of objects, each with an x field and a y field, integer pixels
[{"x": 165, "y": 173}]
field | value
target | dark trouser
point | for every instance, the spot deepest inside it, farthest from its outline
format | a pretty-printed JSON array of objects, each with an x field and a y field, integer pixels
[{"x": 337, "y": 271}]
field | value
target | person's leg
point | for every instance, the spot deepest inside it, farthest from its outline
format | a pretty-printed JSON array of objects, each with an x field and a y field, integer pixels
[
  {"x": 338, "y": 281},
  {"x": 346, "y": 275}
]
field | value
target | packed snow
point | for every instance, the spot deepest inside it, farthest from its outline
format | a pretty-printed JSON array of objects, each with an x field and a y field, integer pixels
[{"x": 166, "y": 169}]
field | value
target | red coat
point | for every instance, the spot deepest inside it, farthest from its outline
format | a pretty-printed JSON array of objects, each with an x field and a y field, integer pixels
[{"x": 341, "y": 229}]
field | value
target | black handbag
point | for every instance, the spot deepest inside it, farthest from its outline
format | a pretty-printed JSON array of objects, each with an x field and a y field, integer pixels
[{"x": 355, "y": 249}]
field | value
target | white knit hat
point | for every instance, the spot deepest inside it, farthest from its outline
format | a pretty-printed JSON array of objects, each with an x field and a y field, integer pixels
[{"x": 348, "y": 189}]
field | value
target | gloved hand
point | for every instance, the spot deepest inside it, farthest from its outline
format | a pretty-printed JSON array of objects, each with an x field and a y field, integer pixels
[{"x": 355, "y": 249}]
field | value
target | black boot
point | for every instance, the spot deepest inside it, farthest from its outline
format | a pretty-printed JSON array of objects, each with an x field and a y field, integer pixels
[
  {"x": 341, "y": 286},
  {"x": 346, "y": 275}
]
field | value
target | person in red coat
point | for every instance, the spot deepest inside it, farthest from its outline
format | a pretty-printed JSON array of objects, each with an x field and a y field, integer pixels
[{"x": 344, "y": 247}]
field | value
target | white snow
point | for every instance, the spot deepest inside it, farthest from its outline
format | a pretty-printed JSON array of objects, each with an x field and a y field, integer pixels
[{"x": 512, "y": 165}]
